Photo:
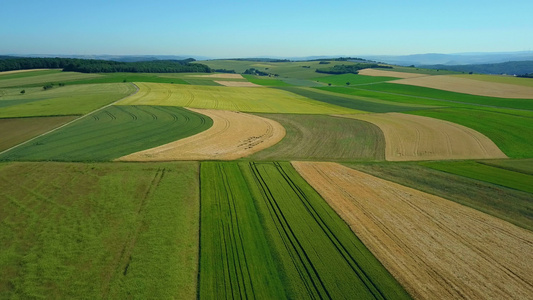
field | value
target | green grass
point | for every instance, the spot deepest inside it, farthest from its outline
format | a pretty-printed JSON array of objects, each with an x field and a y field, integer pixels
[
  {"x": 61, "y": 101},
  {"x": 492, "y": 174},
  {"x": 236, "y": 259},
  {"x": 246, "y": 99},
  {"x": 18, "y": 130},
  {"x": 319, "y": 137},
  {"x": 97, "y": 231},
  {"x": 450, "y": 97},
  {"x": 327, "y": 95},
  {"x": 353, "y": 79},
  {"x": 421, "y": 71},
  {"x": 319, "y": 253},
  {"x": 4, "y": 76},
  {"x": 131, "y": 77},
  {"x": 512, "y": 134},
  {"x": 524, "y": 166},
  {"x": 40, "y": 78},
  {"x": 508, "y": 204},
  {"x": 265, "y": 81},
  {"x": 111, "y": 133}
]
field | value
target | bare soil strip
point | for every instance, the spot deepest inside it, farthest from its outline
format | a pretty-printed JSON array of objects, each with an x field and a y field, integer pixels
[
  {"x": 230, "y": 76},
  {"x": 374, "y": 72},
  {"x": 412, "y": 138},
  {"x": 237, "y": 83},
  {"x": 233, "y": 135},
  {"x": 435, "y": 248},
  {"x": 470, "y": 86},
  {"x": 21, "y": 71}
]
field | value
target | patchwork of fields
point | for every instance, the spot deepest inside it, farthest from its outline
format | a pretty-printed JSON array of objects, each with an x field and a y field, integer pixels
[{"x": 427, "y": 202}]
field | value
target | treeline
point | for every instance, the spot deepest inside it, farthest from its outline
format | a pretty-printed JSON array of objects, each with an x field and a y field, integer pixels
[
  {"x": 345, "y": 69},
  {"x": 103, "y": 66},
  {"x": 530, "y": 75}
]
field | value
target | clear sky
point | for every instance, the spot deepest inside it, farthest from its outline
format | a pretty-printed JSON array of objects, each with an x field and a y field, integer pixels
[{"x": 264, "y": 28}]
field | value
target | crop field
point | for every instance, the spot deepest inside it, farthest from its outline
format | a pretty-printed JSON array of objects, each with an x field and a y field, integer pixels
[
  {"x": 357, "y": 103},
  {"x": 470, "y": 86},
  {"x": 319, "y": 137},
  {"x": 446, "y": 97},
  {"x": 38, "y": 78},
  {"x": 391, "y": 74},
  {"x": 499, "y": 79},
  {"x": 353, "y": 79},
  {"x": 74, "y": 230},
  {"x": 230, "y": 98},
  {"x": 232, "y": 136},
  {"x": 64, "y": 101},
  {"x": 332, "y": 264},
  {"x": 421, "y": 238},
  {"x": 524, "y": 166},
  {"x": 421, "y": 138},
  {"x": 111, "y": 133},
  {"x": 511, "y": 133},
  {"x": 17, "y": 130},
  {"x": 492, "y": 174},
  {"x": 265, "y": 81},
  {"x": 130, "y": 77}
]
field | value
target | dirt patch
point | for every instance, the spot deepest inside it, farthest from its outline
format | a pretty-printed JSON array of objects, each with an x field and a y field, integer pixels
[
  {"x": 410, "y": 137},
  {"x": 225, "y": 75},
  {"x": 237, "y": 83},
  {"x": 374, "y": 72},
  {"x": 433, "y": 246},
  {"x": 470, "y": 86},
  {"x": 21, "y": 71},
  {"x": 232, "y": 136}
]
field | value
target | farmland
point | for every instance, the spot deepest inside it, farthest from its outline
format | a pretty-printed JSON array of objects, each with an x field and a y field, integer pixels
[
  {"x": 420, "y": 237},
  {"x": 111, "y": 133},
  {"x": 304, "y": 264},
  {"x": 98, "y": 230},
  {"x": 318, "y": 137},
  {"x": 193, "y": 186},
  {"x": 230, "y": 98}
]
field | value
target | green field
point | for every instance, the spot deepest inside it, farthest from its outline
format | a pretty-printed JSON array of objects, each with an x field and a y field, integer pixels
[
  {"x": 246, "y": 99},
  {"x": 265, "y": 81},
  {"x": 111, "y": 133},
  {"x": 40, "y": 78},
  {"x": 98, "y": 231},
  {"x": 272, "y": 222},
  {"x": 319, "y": 137},
  {"x": 353, "y": 79},
  {"x": 62, "y": 101},
  {"x": 18, "y": 130},
  {"x": 518, "y": 165},
  {"x": 508, "y": 204},
  {"x": 492, "y": 174},
  {"x": 421, "y": 71},
  {"x": 512, "y": 134},
  {"x": 131, "y": 77},
  {"x": 328, "y": 95}
]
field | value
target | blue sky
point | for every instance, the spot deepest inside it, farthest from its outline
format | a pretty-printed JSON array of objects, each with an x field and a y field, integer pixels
[{"x": 263, "y": 28}]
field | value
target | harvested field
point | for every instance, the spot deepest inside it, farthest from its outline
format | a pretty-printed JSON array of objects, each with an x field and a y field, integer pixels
[
  {"x": 237, "y": 83},
  {"x": 227, "y": 76},
  {"x": 431, "y": 245},
  {"x": 20, "y": 71},
  {"x": 374, "y": 72},
  {"x": 499, "y": 78},
  {"x": 233, "y": 135},
  {"x": 408, "y": 138},
  {"x": 17, "y": 130},
  {"x": 244, "y": 99},
  {"x": 470, "y": 86}
]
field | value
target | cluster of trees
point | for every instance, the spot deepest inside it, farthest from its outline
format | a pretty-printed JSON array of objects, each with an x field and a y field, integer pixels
[
  {"x": 344, "y": 69},
  {"x": 254, "y": 71},
  {"x": 103, "y": 66},
  {"x": 530, "y": 75},
  {"x": 224, "y": 71}
]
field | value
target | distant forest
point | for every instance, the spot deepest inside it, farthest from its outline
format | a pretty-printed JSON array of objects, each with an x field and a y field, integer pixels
[
  {"x": 103, "y": 66},
  {"x": 345, "y": 69},
  {"x": 509, "y": 68}
]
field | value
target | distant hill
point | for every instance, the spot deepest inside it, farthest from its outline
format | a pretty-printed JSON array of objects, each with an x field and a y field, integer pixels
[
  {"x": 509, "y": 68},
  {"x": 453, "y": 59},
  {"x": 119, "y": 58}
]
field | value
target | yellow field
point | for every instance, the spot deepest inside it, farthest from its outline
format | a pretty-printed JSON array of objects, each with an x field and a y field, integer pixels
[
  {"x": 436, "y": 248},
  {"x": 374, "y": 72},
  {"x": 246, "y": 99},
  {"x": 232, "y": 136},
  {"x": 500, "y": 79},
  {"x": 457, "y": 84},
  {"x": 410, "y": 137}
]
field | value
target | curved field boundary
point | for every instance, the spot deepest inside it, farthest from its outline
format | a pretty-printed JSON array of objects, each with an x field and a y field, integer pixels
[
  {"x": 233, "y": 135},
  {"x": 423, "y": 138},
  {"x": 470, "y": 86},
  {"x": 431, "y": 245},
  {"x": 245, "y": 99},
  {"x": 111, "y": 133},
  {"x": 319, "y": 137},
  {"x": 381, "y": 73}
]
